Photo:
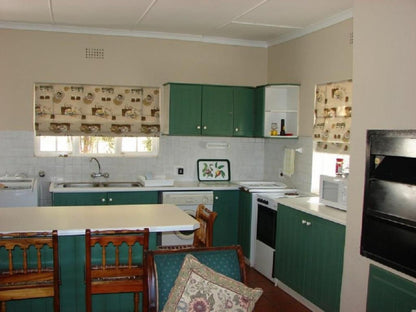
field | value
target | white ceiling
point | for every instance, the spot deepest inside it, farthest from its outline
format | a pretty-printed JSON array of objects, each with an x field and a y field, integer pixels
[{"x": 245, "y": 22}]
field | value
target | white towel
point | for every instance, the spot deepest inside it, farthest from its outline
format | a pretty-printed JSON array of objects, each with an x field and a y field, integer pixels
[{"x": 289, "y": 162}]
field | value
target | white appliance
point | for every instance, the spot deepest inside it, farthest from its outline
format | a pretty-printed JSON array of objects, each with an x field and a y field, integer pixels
[
  {"x": 188, "y": 202},
  {"x": 333, "y": 191},
  {"x": 18, "y": 192},
  {"x": 258, "y": 187},
  {"x": 265, "y": 234}
]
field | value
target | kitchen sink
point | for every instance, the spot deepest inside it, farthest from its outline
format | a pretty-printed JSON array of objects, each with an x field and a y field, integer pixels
[{"x": 99, "y": 184}]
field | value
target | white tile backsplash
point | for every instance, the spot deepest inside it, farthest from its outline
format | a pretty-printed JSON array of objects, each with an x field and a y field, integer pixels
[{"x": 250, "y": 159}]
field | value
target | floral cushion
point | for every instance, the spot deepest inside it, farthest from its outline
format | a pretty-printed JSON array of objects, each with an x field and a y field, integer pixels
[{"x": 201, "y": 289}]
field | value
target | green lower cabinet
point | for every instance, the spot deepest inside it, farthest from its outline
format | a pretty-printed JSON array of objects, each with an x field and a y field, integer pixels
[
  {"x": 309, "y": 256},
  {"x": 244, "y": 222},
  {"x": 389, "y": 292},
  {"x": 226, "y": 223},
  {"x": 104, "y": 198}
]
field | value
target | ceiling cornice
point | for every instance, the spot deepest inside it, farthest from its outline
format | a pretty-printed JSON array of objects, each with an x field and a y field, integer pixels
[{"x": 175, "y": 36}]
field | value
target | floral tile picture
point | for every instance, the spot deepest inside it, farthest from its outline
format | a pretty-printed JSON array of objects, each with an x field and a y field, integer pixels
[{"x": 213, "y": 170}]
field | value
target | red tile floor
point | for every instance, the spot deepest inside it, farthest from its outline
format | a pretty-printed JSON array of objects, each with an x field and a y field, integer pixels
[{"x": 273, "y": 298}]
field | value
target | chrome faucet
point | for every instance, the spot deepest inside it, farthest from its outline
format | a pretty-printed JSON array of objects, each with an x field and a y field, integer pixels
[{"x": 99, "y": 173}]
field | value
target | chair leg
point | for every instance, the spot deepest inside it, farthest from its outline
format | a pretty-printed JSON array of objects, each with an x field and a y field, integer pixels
[
  {"x": 3, "y": 306},
  {"x": 136, "y": 302}
]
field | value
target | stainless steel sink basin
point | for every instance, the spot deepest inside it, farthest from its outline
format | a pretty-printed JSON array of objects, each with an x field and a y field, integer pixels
[{"x": 99, "y": 184}]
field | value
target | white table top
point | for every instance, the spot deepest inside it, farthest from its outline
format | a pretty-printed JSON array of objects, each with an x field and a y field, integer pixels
[{"x": 74, "y": 220}]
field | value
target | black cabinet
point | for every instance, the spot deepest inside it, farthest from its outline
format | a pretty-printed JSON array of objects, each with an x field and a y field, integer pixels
[{"x": 389, "y": 214}]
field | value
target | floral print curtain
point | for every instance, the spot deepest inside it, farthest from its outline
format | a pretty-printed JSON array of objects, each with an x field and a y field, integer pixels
[
  {"x": 332, "y": 127},
  {"x": 79, "y": 110}
]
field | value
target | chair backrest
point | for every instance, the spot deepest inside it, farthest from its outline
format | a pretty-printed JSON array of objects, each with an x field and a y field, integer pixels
[
  {"x": 27, "y": 268},
  {"x": 164, "y": 265},
  {"x": 203, "y": 236},
  {"x": 115, "y": 263}
]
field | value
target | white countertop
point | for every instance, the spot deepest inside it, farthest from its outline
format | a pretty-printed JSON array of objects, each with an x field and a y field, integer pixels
[
  {"x": 312, "y": 206},
  {"x": 56, "y": 187},
  {"x": 74, "y": 220}
]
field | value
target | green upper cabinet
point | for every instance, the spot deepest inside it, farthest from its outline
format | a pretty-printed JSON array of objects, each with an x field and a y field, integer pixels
[
  {"x": 259, "y": 112},
  {"x": 217, "y": 111},
  {"x": 184, "y": 109},
  {"x": 243, "y": 111},
  {"x": 207, "y": 110}
]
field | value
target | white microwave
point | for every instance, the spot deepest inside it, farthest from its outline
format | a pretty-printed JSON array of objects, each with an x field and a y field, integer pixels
[{"x": 333, "y": 191}]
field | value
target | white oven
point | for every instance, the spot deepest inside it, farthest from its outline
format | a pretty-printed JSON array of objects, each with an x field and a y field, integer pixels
[
  {"x": 265, "y": 235},
  {"x": 255, "y": 187}
]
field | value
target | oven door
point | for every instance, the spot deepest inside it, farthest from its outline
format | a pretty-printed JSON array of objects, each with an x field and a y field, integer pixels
[{"x": 266, "y": 225}]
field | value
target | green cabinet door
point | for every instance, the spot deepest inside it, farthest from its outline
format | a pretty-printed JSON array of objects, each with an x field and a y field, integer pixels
[
  {"x": 309, "y": 256},
  {"x": 324, "y": 256},
  {"x": 126, "y": 198},
  {"x": 243, "y": 111},
  {"x": 244, "y": 222},
  {"x": 388, "y": 292},
  {"x": 105, "y": 198},
  {"x": 226, "y": 223},
  {"x": 185, "y": 109},
  {"x": 79, "y": 199},
  {"x": 259, "y": 107},
  {"x": 217, "y": 110}
]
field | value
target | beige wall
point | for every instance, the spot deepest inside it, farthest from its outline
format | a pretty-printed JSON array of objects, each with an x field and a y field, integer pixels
[
  {"x": 384, "y": 82},
  {"x": 33, "y": 56},
  {"x": 319, "y": 57}
]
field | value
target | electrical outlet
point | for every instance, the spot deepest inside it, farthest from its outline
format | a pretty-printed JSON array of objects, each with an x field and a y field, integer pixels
[{"x": 179, "y": 170}]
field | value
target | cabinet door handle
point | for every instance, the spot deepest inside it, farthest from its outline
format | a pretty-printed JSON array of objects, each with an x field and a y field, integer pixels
[
  {"x": 205, "y": 127},
  {"x": 216, "y": 197},
  {"x": 236, "y": 129},
  {"x": 303, "y": 221},
  {"x": 103, "y": 200},
  {"x": 110, "y": 199},
  {"x": 308, "y": 223},
  {"x": 198, "y": 127}
]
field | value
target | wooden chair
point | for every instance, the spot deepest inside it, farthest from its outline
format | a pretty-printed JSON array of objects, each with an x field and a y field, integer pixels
[
  {"x": 27, "y": 269},
  {"x": 125, "y": 274},
  {"x": 163, "y": 267},
  {"x": 203, "y": 236}
]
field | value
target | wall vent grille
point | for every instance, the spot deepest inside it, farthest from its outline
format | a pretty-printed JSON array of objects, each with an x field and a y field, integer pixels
[{"x": 94, "y": 53}]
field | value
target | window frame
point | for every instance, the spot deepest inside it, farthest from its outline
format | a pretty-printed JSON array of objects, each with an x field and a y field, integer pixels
[{"x": 76, "y": 142}]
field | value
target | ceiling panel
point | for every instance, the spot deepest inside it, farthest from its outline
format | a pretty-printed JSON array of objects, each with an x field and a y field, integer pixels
[
  {"x": 193, "y": 16},
  {"x": 28, "y": 11},
  {"x": 248, "y": 32},
  {"x": 99, "y": 13},
  {"x": 299, "y": 13},
  {"x": 236, "y": 19}
]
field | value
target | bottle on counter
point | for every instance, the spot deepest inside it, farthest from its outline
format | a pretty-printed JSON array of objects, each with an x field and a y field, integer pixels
[
  {"x": 282, "y": 127},
  {"x": 273, "y": 130},
  {"x": 339, "y": 166}
]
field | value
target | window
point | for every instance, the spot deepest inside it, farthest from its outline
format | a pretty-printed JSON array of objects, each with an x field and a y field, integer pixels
[
  {"x": 324, "y": 163},
  {"x": 93, "y": 145}
]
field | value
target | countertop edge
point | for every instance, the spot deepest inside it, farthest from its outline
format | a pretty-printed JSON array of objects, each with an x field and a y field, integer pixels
[
  {"x": 181, "y": 186},
  {"x": 312, "y": 206}
]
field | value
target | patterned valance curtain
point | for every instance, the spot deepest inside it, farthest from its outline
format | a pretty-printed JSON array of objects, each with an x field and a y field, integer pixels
[
  {"x": 79, "y": 110},
  {"x": 332, "y": 128}
]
